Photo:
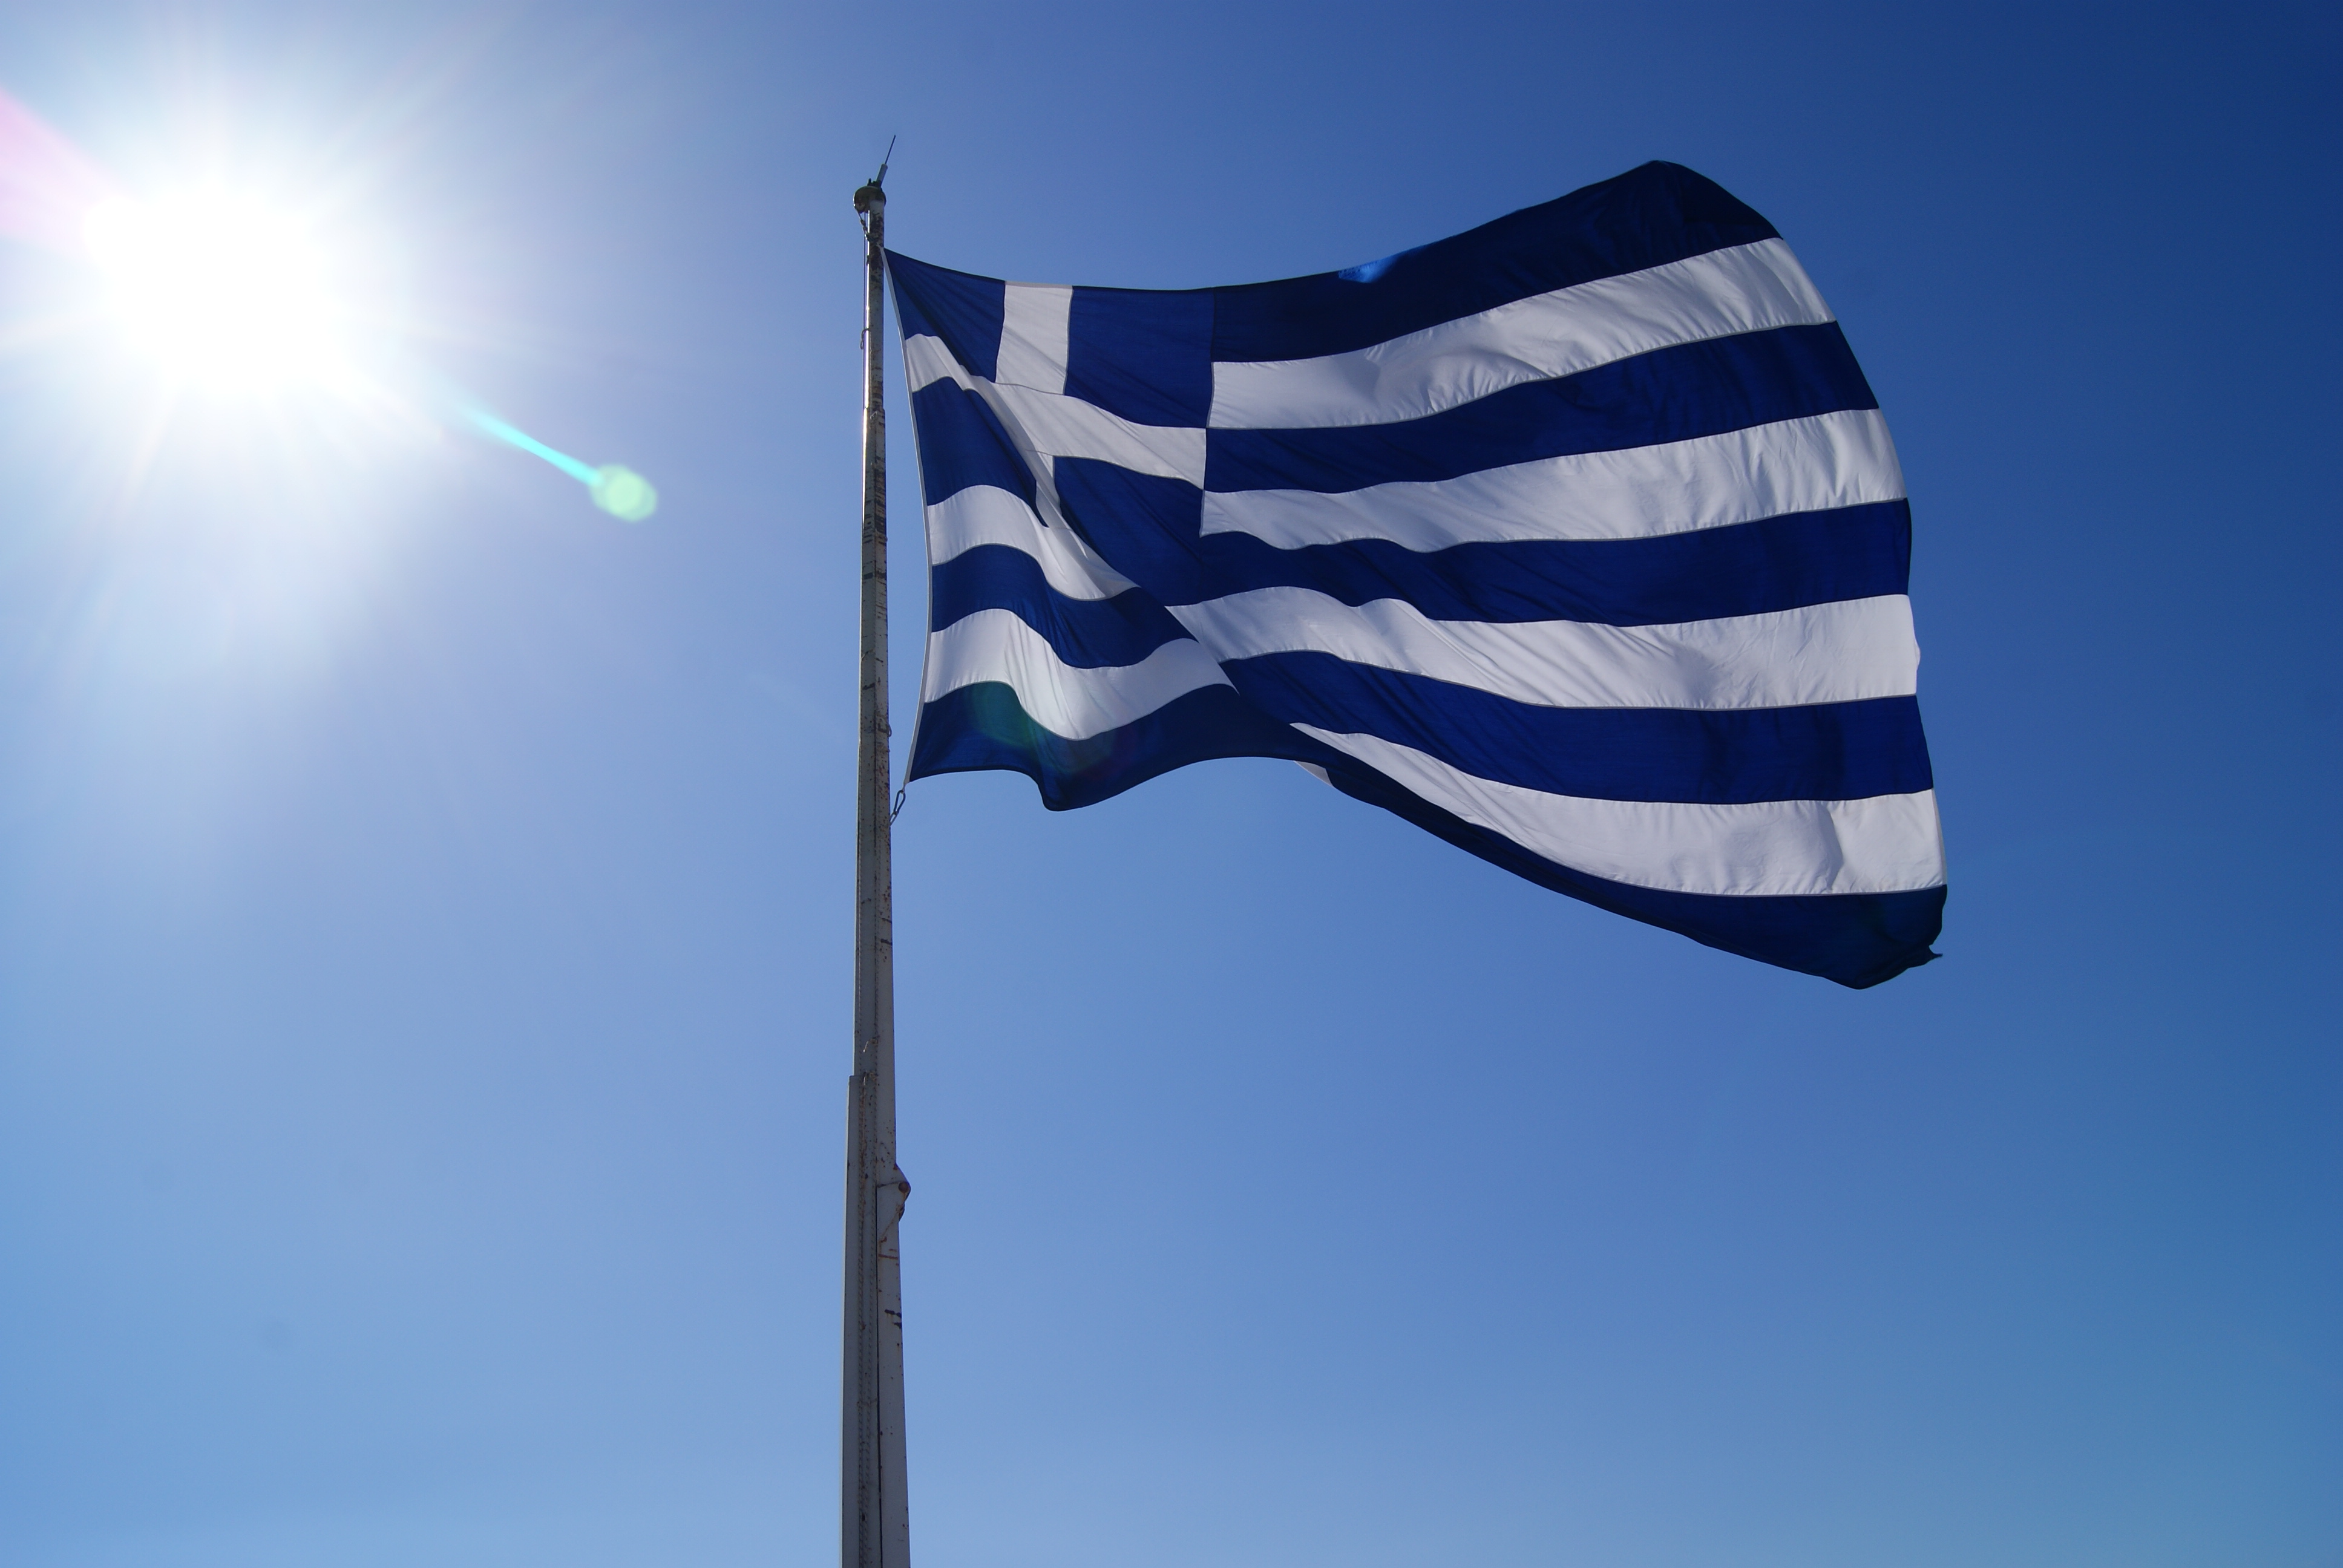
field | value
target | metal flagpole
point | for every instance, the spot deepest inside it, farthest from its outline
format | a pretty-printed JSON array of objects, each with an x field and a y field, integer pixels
[{"x": 875, "y": 1524}]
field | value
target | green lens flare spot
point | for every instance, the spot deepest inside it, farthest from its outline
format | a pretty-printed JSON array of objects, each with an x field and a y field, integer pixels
[{"x": 624, "y": 493}]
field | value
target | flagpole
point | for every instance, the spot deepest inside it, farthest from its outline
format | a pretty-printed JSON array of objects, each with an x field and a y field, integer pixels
[{"x": 875, "y": 1524}]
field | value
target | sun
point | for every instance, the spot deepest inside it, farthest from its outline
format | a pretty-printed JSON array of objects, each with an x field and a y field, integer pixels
[{"x": 223, "y": 290}]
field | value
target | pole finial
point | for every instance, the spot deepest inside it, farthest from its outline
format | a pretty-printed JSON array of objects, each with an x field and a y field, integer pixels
[{"x": 873, "y": 195}]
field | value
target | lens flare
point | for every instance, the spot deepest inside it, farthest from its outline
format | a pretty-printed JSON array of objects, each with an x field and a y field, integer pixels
[
  {"x": 624, "y": 493},
  {"x": 227, "y": 292},
  {"x": 621, "y": 492},
  {"x": 46, "y": 184}
]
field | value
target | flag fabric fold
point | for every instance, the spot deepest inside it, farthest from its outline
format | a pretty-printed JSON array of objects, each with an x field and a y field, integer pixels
[{"x": 1576, "y": 540}]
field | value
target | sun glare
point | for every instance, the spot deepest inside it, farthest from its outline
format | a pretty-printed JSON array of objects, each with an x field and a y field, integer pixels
[{"x": 220, "y": 288}]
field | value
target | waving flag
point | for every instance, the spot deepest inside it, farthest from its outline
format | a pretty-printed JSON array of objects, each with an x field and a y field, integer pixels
[{"x": 1577, "y": 540}]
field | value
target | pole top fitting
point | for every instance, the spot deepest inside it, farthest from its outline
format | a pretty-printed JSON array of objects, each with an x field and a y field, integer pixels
[{"x": 871, "y": 197}]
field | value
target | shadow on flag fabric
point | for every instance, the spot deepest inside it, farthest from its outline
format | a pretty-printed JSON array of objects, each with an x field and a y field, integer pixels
[{"x": 1577, "y": 540}]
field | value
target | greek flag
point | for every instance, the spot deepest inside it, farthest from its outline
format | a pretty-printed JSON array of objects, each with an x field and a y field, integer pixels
[{"x": 1577, "y": 540}]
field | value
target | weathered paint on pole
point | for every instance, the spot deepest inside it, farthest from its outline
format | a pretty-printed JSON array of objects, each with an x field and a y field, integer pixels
[{"x": 875, "y": 1524}]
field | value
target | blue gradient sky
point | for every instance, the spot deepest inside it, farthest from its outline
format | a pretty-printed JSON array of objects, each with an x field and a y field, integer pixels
[{"x": 424, "y": 901}]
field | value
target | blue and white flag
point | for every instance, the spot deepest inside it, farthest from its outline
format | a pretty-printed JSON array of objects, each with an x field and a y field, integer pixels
[{"x": 1577, "y": 540}]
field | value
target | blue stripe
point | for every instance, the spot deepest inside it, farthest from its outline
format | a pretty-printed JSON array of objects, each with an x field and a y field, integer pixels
[
  {"x": 961, "y": 444},
  {"x": 1148, "y": 529},
  {"x": 1858, "y": 939},
  {"x": 1646, "y": 218},
  {"x": 1143, "y": 354},
  {"x": 1734, "y": 756},
  {"x": 1749, "y": 568},
  {"x": 965, "y": 311},
  {"x": 1675, "y": 394},
  {"x": 984, "y": 725},
  {"x": 1085, "y": 633}
]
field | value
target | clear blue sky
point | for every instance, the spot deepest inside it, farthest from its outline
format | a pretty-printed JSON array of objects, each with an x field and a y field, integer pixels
[{"x": 425, "y": 902}]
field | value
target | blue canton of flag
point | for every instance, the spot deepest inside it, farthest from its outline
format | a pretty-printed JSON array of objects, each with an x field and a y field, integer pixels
[{"x": 1577, "y": 540}]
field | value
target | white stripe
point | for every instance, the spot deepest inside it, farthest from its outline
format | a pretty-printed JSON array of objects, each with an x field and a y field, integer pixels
[
  {"x": 1885, "y": 844},
  {"x": 1052, "y": 424},
  {"x": 1843, "y": 460},
  {"x": 1847, "y": 651},
  {"x": 994, "y": 645},
  {"x": 926, "y": 360},
  {"x": 1746, "y": 289},
  {"x": 1033, "y": 335},
  {"x": 987, "y": 515}
]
